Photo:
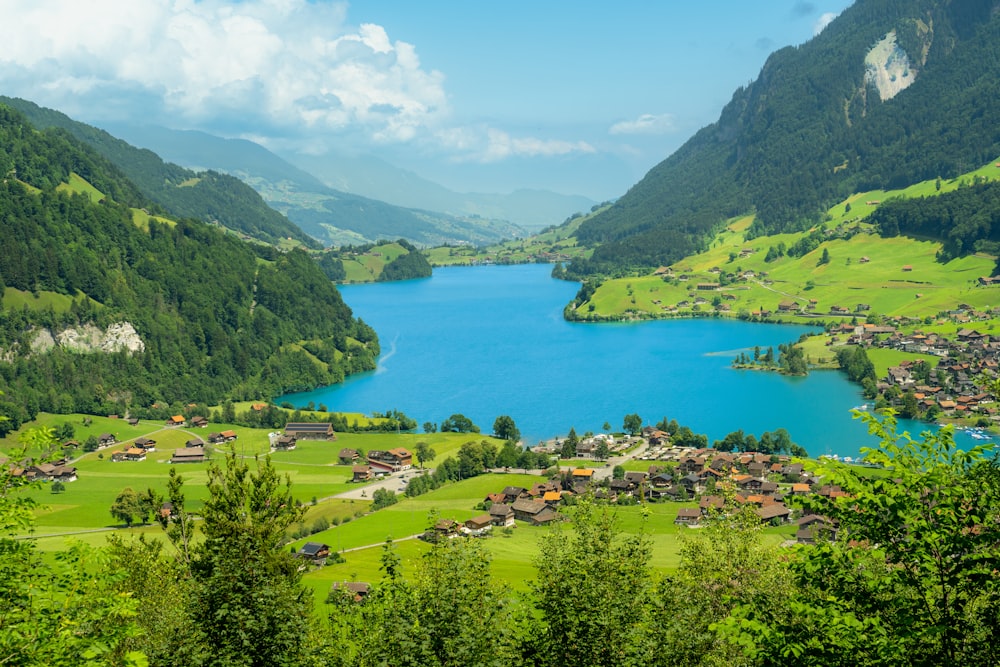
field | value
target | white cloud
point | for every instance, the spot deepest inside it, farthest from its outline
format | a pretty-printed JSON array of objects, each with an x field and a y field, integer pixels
[
  {"x": 645, "y": 124},
  {"x": 823, "y": 21},
  {"x": 285, "y": 63},
  {"x": 488, "y": 144}
]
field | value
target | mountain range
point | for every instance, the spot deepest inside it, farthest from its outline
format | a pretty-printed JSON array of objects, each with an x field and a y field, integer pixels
[
  {"x": 890, "y": 93},
  {"x": 320, "y": 192}
]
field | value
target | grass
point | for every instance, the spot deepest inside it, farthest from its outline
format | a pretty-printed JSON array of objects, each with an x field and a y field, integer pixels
[
  {"x": 884, "y": 358},
  {"x": 881, "y": 282},
  {"x": 15, "y": 299},
  {"x": 79, "y": 185},
  {"x": 367, "y": 267}
]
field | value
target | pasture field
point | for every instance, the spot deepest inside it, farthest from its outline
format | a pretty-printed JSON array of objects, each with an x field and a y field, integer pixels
[
  {"x": 81, "y": 512},
  {"x": 894, "y": 276}
]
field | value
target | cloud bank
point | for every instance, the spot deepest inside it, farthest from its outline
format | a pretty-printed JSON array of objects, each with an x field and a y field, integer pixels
[{"x": 287, "y": 72}]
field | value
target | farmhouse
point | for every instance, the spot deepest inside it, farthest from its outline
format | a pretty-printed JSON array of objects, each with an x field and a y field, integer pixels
[
  {"x": 146, "y": 443},
  {"x": 395, "y": 459},
  {"x": 310, "y": 431},
  {"x": 189, "y": 455},
  {"x": 357, "y": 590},
  {"x": 130, "y": 454},
  {"x": 347, "y": 456},
  {"x": 316, "y": 552},
  {"x": 284, "y": 443},
  {"x": 361, "y": 473},
  {"x": 502, "y": 515},
  {"x": 176, "y": 420},
  {"x": 688, "y": 515}
]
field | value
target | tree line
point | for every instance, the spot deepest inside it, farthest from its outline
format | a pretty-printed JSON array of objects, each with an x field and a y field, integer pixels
[{"x": 902, "y": 573}]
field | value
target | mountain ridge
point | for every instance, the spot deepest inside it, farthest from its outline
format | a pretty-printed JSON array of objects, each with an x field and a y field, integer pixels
[{"x": 811, "y": 129}]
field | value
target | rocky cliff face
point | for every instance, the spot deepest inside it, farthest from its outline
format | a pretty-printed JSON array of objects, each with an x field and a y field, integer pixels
[{"x": 120, "y": 336}]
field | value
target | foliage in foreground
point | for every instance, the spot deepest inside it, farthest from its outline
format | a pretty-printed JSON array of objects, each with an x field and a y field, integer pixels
[{"x": 908, "y": 578}]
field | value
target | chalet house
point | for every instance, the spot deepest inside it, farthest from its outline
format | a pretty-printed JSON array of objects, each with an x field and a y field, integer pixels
[
  {"x": 691, "y": 464},
  {"x": 583, "y": 475},
  {"x": 444, "y": 528},
  {"x": 989, "y": 281},
  {"x": 357, "y": 590},
  {"x": 535, "y": 513},
  {"x": 691, "y": 482},
  {"x": 813, "y": 526},
  {"x": 347, "y": 456},
  {"x": 195, "y": 442},
  {"x": 189, "y": 455},
  {"x": 478, "y": 525},
  {"x": 176, "y": 420},
  {"x": 395, "y": 459},
  {"x": 133, "y": 421},
  {"x": 494, "y": 498},
  {"x": 106, "y": 440},
  {"x": 786, "y": 306},
  {"x": 636, "y": 478},
  {"x": 215, "y": 438},
  {"x": 146, "y": 443},
  {"x": 284, "y": 443},
  {"x": 709, "y": 503},
  {"x": 688, "y": 516},
  {"x": 361, "y": 473},
  {"x": 502, "y": 515},
  {"x": 130, "y": 454},
  {"x": 513, "y": 493},
  {"x": 317, "y": 552},
  {"x": 662, "y": 480},
  {"x": 621, "y": 487},
  {"x": 310, "y": 431},
  {"x": 199, "y": 422},
  {"x": 47, "y": 472},
  {"x": 774, "y": 513}
]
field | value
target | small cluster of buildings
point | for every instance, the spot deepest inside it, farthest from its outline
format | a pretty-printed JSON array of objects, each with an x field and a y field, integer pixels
[
  {"x": 378, "y": 462},
  {"x": 955, "y": 387},
  {"x": 295, "y": 431}
]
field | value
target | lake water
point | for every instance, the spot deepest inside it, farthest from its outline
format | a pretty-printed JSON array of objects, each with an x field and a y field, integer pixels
[{"x": 488, "y": 341}]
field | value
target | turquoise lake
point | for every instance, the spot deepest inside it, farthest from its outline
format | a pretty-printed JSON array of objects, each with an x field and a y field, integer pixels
[{"x": 488, "y": 341}]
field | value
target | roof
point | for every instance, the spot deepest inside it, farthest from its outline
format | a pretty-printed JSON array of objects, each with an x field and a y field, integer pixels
[
  {"x": 500, "y": 509},
  {"x": 551, "y": 496},
  {"x": 583, "y": 472},
  {"x": 313, "y": 548}
]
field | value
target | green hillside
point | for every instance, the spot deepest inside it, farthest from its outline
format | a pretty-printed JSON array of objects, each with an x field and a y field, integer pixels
[
  {"x": 209, "y": 315},
  {"x": 208, "y": 196},
  {"x": 895, "y": 275},
  {"x": 814, "y": 127}
]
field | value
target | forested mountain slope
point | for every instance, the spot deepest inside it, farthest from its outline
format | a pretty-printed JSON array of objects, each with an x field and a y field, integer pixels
[
  {"x": 216, "y": 317},
  {"x": 892, "y": 92},
  {"x": 209, "y": 196},
  {"x": 334, "y": 216}
]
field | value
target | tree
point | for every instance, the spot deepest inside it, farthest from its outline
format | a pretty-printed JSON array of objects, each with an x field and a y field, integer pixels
[
  {"x": 58, "y": 487},
  {"x": 430, "y": 427},
  {"x": 592, "y": 589},
  {"x": 569, "y": 444},
  {"x": 824, "y": 258},
  {"x": 458, "y": 423},
  {"x": 606, "y": 427},
  {"x": 601, "y": 450},
  {"x": 632, "y": 424},
  {"x": 424, "y": 453},
  {"x": 618, "y": 472},
  {"x": 505, "y": 429},
  {"x": 910, "y": 577},
  {"x": 57, "y": 609},
  {"x": 383, "y": 498},
  {"x": 127, "y": 507},
  {"x": 249, "y": 601}
]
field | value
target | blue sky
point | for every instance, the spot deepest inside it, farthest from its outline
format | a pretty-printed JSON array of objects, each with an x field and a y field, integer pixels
[{"x": 580, "y": 98}]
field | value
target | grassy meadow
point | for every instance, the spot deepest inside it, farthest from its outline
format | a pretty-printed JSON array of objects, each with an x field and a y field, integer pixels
[
  {"x": 899, "y": 276},
  {"x": 81, "y": 512}
]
